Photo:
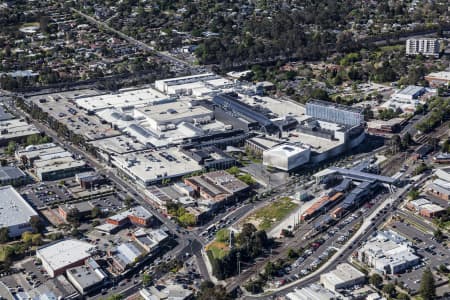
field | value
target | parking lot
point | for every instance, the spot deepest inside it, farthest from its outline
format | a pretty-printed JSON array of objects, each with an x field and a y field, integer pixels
[
  {"x": 45, "y": 194},
  {"x": 433, "y": 255}
]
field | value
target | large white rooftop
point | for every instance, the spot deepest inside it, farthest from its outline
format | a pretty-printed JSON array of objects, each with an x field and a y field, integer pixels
[
  {"x": 14, "y": 210},
  {"x": 124, "y": 98},
  {"x": 342, "y": 274},
  {"x": 64, "y": 253},
  {"x": 287, "y": 150},
  {"x": 174, "y": 112},
  {"x": 152, "y": 166}
]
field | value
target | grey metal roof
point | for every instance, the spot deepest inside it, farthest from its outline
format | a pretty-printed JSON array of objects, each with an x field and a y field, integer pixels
[
  {"x": 10, "y": 173},
  {"x": 363, "y": 176}
]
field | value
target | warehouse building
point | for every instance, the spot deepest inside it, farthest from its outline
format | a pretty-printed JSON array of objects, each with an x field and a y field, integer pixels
[
  {"x": 62, "y": 255},
  {"x": 87, "y": 278},
  {"x": 15, "y": 212},
  {"x": 286, "y": 157},
  {"x": 388, "y": 252},
  {"x": 12, "y": 176},
  {"x": 343, "y": 277}
]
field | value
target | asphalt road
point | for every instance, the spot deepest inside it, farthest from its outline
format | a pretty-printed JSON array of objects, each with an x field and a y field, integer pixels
[{"x": 183, "y": 238}]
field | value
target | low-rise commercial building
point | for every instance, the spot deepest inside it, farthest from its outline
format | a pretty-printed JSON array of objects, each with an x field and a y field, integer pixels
[
  {"x": 31, "y": 153},
  {"x": 150, "y": 239},
  {"x": 62, "y": 255},
  {"x": 382, "y": 127},
  {"x": 58, "y": 168},
  {"x": 137, "y": 215},
  {"x": 87, "y": 278},
  {"x": 53, "y": 288},
  {"x": 214, "y": 188},
  {"x": 425, "y": 208},
  {"x": 211, "y": 158},
  {"x": 343, "y": 277},
  {"x": 439, "y": 188},
  {"x": 437, "y": 79},
  {"x": 15, "y": 212},
  {"x": 169, "y": 292},
  {"x": 442, "y": 158},
  {"x": 79, "y": 210},
  {"x": 388, "y": 252},
  {"x": 15, "y": 130},
  {"x": 50, "y": 161},
  {"x": 443, "y": 174},
  {"x": 89, "y": 179},
  {"x": 147, "y": 168},
  {"x": 312, "y": 292},
  {"x": 124, "y": 256},
  {"x": 12, "y": 176}
]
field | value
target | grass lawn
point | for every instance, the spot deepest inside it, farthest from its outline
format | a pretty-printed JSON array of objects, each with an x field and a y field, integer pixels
[
  {"x": 274, "y": 212},
  {"x": 218, "y": 249}
]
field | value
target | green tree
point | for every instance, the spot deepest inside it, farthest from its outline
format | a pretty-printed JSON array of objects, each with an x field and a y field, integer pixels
[
  {"x": 320, "y": 94},
  {"x": 438, "y": 235},
  {"x": 402, "y": 296},
  {"x": 427, "y": 286},
  {"x": 223, "y": 235},
  {"x": 36, "y": 224},
  {"x": 389, "y": 289},
  {"x": 115, "y": 297},
  {"x": 376, "y": 280},
  {"x": 128, "y": 202},
  {"x": 292, "y": 254},
  {"x": 209, "y": 291},
  {"x": 146, "y": 279},
  {"x": 413, "y": 194},
  {"x": 270, "y": 269},
  {"x": 188, "y": 219},
  {"x": 4, "y": 235},
  {"x": 234, "y": 171},
  {"x": 11, "y": 148},
  {"x": 247, "y": 179},
  {"x": 95, "y": 212}
]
